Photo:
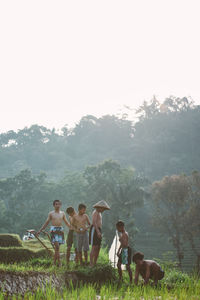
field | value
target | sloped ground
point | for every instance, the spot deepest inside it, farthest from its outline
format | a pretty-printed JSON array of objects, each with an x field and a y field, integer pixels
[{"x": 21, "y": 282}]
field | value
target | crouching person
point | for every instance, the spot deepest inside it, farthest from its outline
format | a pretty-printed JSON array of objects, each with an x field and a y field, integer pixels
[
  {"x": 148, "y": 269},
  {"x": 124, "y": 251}
]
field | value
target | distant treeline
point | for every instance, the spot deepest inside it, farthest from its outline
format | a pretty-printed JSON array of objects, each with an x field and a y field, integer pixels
[{"x": 165, "y": 140}]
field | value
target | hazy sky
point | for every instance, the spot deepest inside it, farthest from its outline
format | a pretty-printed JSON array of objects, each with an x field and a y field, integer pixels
[{"x": 60, "y": 60}]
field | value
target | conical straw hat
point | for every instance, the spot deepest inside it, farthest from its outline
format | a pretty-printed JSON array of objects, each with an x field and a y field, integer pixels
[{"x": 102, "y": 204}]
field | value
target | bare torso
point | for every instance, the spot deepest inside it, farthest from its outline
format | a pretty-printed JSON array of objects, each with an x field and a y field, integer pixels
[
  {"x": 124, "y": 240},
  {"x": 56, "y": 218},
  {"x": 96, "y": 219},
  {"x": 71, "y": 218},
  {"x": 150, "y": 265},
  {"x": 80, "y": 221}
]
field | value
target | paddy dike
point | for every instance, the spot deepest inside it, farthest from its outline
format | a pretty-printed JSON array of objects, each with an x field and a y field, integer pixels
[
  {"x": 22, "y": 282},
  {"x": 19, "y": 283}
]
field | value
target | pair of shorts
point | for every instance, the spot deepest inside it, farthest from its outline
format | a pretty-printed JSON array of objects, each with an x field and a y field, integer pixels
[
  {"x": 71, "y": 239},
  {"x": 156, "y": 274},
  {"x": 94, "y": 239},
  {"x": 125, "y": 256},
  {"x": 82, "y": 241},
  {"x": 57, "y": 234}
]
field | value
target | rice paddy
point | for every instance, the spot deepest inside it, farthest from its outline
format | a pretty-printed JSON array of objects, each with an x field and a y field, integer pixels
[
  {"x": 175, "y": 285},
  {"x": 180, "y": 291}
]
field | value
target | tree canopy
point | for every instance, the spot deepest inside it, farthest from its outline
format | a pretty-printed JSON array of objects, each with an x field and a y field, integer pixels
[{"x": 163, "y": 141}]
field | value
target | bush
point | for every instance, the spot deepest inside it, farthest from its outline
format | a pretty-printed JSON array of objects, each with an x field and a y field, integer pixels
[
  {"x": 15, "y": 254},
  {"x": 176, "y": 277},
  {"x": 40, "y": 262},
  {"x": 10, "y": 240},
  {"x": 100, "y": 273}
]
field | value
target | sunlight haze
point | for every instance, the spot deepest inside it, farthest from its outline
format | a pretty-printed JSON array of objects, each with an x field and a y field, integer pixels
[{"x": 61, "y": 60}]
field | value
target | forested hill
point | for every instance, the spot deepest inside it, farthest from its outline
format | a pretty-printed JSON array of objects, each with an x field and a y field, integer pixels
[{"x": 164, "y": 140}]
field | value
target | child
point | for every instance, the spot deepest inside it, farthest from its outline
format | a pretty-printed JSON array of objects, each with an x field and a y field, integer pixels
[
  {"x": 56, "y": 218},
  {"x": 95, "y": 230},
  {"x": 81, "y": 222},
  {"x": 148, "y": 269},
  {"x": 124, "y": 251},
  {"x": 71, "y": 237}
]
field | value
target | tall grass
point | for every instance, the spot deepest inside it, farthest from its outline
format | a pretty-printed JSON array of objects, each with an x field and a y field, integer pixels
[
  {"x": 114, "y": 292},
  {"x": 175, "y": 285}
]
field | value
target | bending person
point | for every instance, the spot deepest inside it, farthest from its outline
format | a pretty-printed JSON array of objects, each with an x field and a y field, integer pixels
[{"x": 148, "y": 269}]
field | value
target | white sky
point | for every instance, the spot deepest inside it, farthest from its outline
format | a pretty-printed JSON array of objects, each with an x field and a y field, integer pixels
[{"x": 60, "y": 60}]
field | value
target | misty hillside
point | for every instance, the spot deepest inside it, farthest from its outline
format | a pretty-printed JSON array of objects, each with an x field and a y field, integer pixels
[{"x": 165, "y": 140}]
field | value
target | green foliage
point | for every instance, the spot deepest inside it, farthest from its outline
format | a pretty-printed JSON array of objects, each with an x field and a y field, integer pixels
[
  {"x": 176, "y": 277},
  {"x": 17, "y": 254},
  {"x": 121, "y": 189},
  {"x": 165, "y": 140},
  {"x": 102, "y": 281},
  {"x": 176, "y": 206},
  {"x": 44, "y": 262},
  {"x": 184, "y": 290},
  {"x": 101, "y": 273},
  {"x": 10, "y": 240}
]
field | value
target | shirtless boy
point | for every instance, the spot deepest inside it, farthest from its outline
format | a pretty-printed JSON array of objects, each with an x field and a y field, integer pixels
[
  {"x": 124, "y": 251},
  {"x": 56, "y": 218},
  {"x": 148, "y": 269},
  {"x": 81, "y": 223},
  {"x": 95, "y": 230},
  {"x": 71, "y": 237}
]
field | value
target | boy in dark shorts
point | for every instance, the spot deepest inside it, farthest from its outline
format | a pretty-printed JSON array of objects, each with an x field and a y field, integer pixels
[
  {"x": 95, "y": 230},
  {"x": 124, "y": 251},
  {"x": 71, "y": 237},
  {"x": 148, "y": 269}
]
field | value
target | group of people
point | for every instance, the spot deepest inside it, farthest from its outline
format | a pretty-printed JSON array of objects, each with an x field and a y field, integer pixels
[
  {"x": 82, "y": 232},
  {"x": 148, "y": 269}
]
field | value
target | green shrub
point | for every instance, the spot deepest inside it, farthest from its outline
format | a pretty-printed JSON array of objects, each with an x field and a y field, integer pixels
[
  {"x": 40, "y": 262},
  {"x": 10, "y": 240},
  {"x": 98, "y": 274},
  {"x": 15, "y": 254},
  {"x": 176, "y": 277}
]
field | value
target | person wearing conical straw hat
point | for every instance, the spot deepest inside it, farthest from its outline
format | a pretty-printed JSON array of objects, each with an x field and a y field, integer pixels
[{"x": 95, "y": 230}]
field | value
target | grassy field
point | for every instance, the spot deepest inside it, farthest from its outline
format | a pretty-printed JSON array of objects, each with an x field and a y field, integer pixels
[
  {"x": 182, "y": 291},
  {"x": 175, "y": 285}
]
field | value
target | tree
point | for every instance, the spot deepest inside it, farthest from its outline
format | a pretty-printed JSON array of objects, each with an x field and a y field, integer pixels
[
  {"x": 167, "y": 143},
  {"x": 25, "y": 199},
  {"x": 120, "y": 188},
  {"x": 191, "y": 228},
  {"x": 148, "y": 110},
  {"x": 170, "y": 198},
  {"x": 176, "y": 104}
]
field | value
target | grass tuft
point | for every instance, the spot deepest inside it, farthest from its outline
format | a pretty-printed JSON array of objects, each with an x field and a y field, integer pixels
[{"x": 10, "y": 240}]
